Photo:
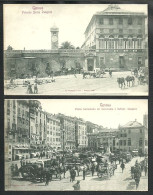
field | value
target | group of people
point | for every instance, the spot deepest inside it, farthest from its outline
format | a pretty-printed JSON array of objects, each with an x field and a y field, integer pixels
[
  {"x": 137, "y": 169},
  {"x": 35, "y": 89}
]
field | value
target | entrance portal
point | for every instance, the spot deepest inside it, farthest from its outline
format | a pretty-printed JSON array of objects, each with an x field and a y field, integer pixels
[
  {"x": 121, "y": 61},
  {"x": 90, "y": 64}
]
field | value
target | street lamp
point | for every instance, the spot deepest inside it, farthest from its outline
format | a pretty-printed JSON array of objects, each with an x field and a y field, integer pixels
[{"x": 63, "y": 141}]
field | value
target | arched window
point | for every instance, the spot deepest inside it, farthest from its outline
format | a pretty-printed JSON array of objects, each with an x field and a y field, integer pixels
[
  {"x": 130, "y": 42},
  {"x": 101, "y": 42},
  {"x": 139, "y": 42},
  {"x": 111, "y": 42},
  {"x": 120, "y": 42}
]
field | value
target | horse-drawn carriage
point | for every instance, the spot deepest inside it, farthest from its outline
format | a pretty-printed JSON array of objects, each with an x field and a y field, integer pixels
[
  {"x": 105, "y": 170},
  {"x": 94, "y": 74},
  {"x": 37, "y": 170}
]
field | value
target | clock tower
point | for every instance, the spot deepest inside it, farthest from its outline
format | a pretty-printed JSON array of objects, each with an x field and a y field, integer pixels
[{"x": 54, "y": 37}]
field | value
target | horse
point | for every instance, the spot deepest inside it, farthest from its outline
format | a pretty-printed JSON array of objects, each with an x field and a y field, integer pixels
[
  {"x": 100, "y": 73},
  {"x": 121, "y": 82},
  {"x": 141, "y": 79},
  {"x": 91, "y": 74},
  {"x": 130, "y": 79}
]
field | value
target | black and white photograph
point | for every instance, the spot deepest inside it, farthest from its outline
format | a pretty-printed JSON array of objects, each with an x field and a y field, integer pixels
[
  {"x": 76, "y": 49},
  {"x": 76, "y": 145}
]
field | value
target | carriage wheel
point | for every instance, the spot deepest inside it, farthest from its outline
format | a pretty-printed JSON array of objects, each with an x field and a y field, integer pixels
[
  {"x": 27, "y": 172},
  {"x": 99, "y": 175}
]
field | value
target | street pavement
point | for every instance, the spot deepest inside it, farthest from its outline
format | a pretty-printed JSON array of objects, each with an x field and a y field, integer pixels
[
  {"x": 118, "y": 182},
  {"x": 71, "y": 85}
]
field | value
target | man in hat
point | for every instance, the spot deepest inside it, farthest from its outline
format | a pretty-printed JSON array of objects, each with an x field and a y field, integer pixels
[{"x": 77, "y": 186}]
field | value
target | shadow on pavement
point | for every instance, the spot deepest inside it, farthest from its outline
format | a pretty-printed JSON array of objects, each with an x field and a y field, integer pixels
[
  {"x": 127, "y": 179},
  {"x": 131, "y": 186},
  {"x": 100, "y": 179}
]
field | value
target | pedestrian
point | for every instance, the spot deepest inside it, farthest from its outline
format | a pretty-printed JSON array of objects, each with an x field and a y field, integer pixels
[
  {"x": 137, "y": 176},
  {"x": 16, "y": 170},
  {"x": 145, "y": 169},
  {"x": 12, "y": 170},
  {"x": 122, "y": 166},
  {"x": 75, "y": 73},
  {"x": 110, "y": 72},
  {"x": 47, "y": 178},
  {"x": 77, "y": 186},
  {"x": 35, "y": 88},
  {"x": 21, "y": 162},
  {"x": 92, "y": 170},
  {"x": 72, "y": 175},
  {"x": 84, "y": 173}
]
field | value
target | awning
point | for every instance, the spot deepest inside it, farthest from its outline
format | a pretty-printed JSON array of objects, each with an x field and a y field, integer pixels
[
  {"x": 29, "y": 57},
  {"x": 19, "y": 155},
  {"x": 121, "y": 54}
]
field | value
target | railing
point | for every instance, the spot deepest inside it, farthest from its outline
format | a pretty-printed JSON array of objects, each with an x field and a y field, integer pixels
[{"x": 49, "y": 51}]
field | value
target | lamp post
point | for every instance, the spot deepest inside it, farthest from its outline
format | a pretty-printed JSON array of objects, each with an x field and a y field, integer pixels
[{"x": 63, "y": 141}]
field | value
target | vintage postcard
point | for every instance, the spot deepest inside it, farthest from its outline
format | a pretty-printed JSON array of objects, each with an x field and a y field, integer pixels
[
  {"x": 80, "y": 145},
  {"x": 76, "y": 49}
]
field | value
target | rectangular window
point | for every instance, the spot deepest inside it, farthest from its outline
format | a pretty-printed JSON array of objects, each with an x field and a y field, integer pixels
[
  {"x": 140, "y": 142},
  {"x": 101, "y": 44},
  {"x": 129, "y": 141},
  {"x": 120, "y": 20},
  {"x": 120, "y": 142},
  {"x": 111, "y": 21},
  {"x": 111, "y": 31},
  {"x": 111, "y": 44},
  {"x": 101, "y": 21},
  {"x": 130, "y": 21},
  {"x": 124, "y": 142},
  {"x": 139, "y": 31},
  {"x": 139, "y": 21},
  {"x": 101, "y": 30},
  {"x": 120, "y": 31},
  {"x": 140, "y": 130},
  {"x": 130, "y": 31},
  {"x": 140, "y": 60}
]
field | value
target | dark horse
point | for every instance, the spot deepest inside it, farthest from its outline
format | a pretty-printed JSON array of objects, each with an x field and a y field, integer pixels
[
  {"x": 130, "y": 79},
  {"x": 121, "y": 82}
]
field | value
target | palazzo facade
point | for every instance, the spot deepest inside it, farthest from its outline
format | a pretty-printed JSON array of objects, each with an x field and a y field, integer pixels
[{"x": 116, "y": 39}]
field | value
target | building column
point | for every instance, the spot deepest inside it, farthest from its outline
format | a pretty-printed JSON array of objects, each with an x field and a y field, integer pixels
[
  {"x": 124, "y": 44},
  {"x": 85, "y": 64},
  {"x": 94, "y": 63},
  {"x": 133, "y": 44}
]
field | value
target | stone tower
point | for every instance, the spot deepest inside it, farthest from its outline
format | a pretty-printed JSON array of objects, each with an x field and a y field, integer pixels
[{"x": 54, "y": 37}]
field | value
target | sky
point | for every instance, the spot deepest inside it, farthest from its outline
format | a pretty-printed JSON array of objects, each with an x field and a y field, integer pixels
[
  {"x": 23, "y": 28},
  {"x": 106, "y": 118}
]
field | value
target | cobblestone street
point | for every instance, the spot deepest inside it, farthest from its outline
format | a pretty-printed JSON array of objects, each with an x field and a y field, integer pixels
[
  {"x": 71, "y": 85},
  {"x": 119, "y": 182}
]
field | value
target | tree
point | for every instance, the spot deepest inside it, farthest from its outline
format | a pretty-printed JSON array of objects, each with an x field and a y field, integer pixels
[
  {"x": 48, "y": 69},
  {"x": 67, "y": 45},
  {"x": 9, "y": 48},
  {"x": 34, "y": 69},
  {"x": 62, "y": 63}
]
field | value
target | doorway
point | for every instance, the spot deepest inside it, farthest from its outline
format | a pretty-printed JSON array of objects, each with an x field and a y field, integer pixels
[
  {"x": 90, "y": 64},
  {"x": 121, "y": 62}
]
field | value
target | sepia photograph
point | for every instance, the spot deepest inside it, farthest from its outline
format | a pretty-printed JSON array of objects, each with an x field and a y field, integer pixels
[
  {"x": 76, "y": 145},
  {"x": 76, "y": 49}
]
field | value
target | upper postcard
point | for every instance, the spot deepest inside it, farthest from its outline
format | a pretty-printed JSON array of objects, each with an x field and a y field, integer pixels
[{"x": 76, "y": 49}]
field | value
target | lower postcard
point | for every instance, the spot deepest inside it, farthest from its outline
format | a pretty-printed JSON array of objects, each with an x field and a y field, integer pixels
[{"x": 76, "y": 145}]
